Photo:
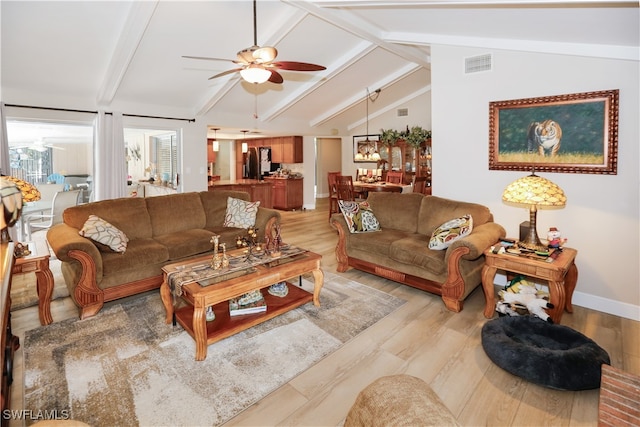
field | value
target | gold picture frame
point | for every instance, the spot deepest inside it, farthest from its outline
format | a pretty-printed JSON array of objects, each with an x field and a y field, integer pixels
[{"x": 573, "y": 133}]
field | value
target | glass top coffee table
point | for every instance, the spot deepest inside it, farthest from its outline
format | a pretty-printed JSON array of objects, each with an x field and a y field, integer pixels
[{"x": 200, "y": 287}]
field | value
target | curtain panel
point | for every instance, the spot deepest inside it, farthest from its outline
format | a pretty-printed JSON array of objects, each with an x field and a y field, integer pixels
[{"x": 109, "y": 161}]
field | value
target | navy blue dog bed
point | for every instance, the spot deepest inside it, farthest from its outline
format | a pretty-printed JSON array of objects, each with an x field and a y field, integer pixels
[{"x": 546, "y": 354}]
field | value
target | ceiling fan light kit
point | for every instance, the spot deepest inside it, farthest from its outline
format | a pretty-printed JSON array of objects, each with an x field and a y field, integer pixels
[{"x": 255, "y": 74}]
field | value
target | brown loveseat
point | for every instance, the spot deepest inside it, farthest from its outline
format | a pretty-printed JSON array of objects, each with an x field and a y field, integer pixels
[
  {"x": 400, "y": 250},
  {"x": 161, "y": 230}
]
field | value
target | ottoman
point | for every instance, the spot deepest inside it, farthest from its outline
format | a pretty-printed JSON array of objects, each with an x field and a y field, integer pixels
[{"x": 398, "y": 400}]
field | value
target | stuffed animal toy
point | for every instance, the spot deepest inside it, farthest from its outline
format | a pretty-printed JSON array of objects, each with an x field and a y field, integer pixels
[{"x": 524, "y": 294}]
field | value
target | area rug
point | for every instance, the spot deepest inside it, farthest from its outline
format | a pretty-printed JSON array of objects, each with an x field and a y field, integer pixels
[{"x": 125, "y": 366}]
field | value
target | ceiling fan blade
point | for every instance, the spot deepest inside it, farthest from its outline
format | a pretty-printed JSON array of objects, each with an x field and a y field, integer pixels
[
  {"x": 265, "y": 54},
  {"x": 224, "y": 73},
  {"x": 297, "y": 66},
  {"x": 206, "y": 58},
  {"x": 276, "y": 77}
]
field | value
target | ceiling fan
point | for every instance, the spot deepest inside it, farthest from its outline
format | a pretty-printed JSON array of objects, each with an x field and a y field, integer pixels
[
  {"x": 257, "y": 63},
  {"x": 38, "y": 145}
]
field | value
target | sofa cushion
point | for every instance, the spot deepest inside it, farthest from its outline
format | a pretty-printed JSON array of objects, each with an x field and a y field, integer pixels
[
  {"x": 376, "y": 243},
  {"x": 140, "y": 252},
  {"x": 413, "y": 250},
  {"x": 175, "y": 212},
  {"x": 359, "y": 216},
  {"x": 128, "y": 214},
  {"x": 104, "y": 234},
  {"x": 434, "y": 211},
  {"x": 240, "y": 213},
  {"x": 215, "y": 205},
  {"x": 398, "y": 211},
  {"x": 186, "y": 243},
  {"x": 450, "y": 231}
]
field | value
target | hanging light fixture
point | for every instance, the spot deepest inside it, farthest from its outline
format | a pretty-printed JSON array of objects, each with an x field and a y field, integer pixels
[
  {"x": 216, "y": 144},
  {"x": 372, "y": 152},
  {"x": 245, "y": 146}
]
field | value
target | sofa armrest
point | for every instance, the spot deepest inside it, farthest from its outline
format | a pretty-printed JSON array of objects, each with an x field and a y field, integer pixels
[
  {"x": 265, "y": 220},
  {"x": 482, "y": 237},
  {"x": 63, "y": 238},
  {"x": 338, "y": 222}
]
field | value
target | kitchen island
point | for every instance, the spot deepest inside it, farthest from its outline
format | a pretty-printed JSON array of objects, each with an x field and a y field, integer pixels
[
  {"x": 259, "y": 191},
  {"x": 287, "y": 192}
]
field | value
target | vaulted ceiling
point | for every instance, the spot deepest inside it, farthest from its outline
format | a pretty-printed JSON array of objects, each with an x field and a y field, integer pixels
[{"x": 128, "y": 56}]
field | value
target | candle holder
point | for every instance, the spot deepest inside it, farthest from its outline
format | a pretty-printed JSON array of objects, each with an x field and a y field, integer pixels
[{"x": 254, "y": 248}]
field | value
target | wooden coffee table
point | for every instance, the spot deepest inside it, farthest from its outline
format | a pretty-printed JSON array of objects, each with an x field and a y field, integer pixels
[{"x": 192, "y": 315}]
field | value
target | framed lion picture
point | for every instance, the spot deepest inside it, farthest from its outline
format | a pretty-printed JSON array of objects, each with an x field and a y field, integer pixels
[{"x": 575, "y": 133}]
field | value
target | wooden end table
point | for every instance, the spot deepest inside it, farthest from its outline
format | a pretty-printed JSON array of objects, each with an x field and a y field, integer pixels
[
  {"x": 561, "y": 275},
  {"x": 192, "y": 316},
  {"x": 38, "y": 262}
]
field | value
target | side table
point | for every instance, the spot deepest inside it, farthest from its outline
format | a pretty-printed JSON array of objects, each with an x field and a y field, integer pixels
[
  {"x": 561, "y": 275},
  {"x": 38, "y": 262}
]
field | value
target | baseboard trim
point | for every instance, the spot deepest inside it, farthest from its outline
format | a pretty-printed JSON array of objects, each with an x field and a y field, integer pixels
[{"x": 606, "y": 305}]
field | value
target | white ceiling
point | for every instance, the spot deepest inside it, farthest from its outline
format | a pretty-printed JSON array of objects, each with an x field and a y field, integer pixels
[{"x": 127, "y": 56}]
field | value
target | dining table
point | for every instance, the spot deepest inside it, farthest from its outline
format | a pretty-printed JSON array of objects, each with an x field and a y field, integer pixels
[{"x": 363, "y": 188}]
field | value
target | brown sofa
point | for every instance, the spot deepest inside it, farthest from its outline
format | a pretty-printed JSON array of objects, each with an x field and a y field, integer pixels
[
  {"x": 161, "y": 230},
  {"x": 400, "y": 250}
]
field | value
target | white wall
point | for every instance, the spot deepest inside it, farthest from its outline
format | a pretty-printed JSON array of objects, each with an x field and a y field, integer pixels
[{"x": 602, "y": 216}]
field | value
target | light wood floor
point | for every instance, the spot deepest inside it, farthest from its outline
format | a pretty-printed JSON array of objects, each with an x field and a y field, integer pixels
[{"x": 421, "y": 338}]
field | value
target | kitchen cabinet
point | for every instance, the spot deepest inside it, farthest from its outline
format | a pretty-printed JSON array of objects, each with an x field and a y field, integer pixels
[
  {"x": 284, "y": 149},
  {"x": 287, "y": 193}
]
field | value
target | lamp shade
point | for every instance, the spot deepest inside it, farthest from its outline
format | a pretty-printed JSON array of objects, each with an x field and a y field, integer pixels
[
  {"x": 11, "y": 202},
  {"x": 255, "y": 74},
  {"x": 534, "y": 190}
]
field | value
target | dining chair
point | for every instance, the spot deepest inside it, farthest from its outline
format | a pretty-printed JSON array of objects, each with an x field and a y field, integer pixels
[
  {"x": 333, "y": 196},
  {"x": 419, "y": 184},
  {"x": 344, "y": 188},
  {"x": 394, "y": 177},
  {"x": 61, "y": 201}
]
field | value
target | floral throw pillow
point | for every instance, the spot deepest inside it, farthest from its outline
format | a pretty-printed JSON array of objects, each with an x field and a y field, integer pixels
[
  {"x": 240, "y": 213},
  {"x": 100, "y": 231},
  {"x": 451, "y": 231},
  {"x": 359, "y": 216}
]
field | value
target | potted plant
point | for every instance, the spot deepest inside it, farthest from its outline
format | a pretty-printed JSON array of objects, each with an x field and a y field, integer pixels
[
  {"x": 389, "y": 137},
  {"x": 417, "y": 135}
]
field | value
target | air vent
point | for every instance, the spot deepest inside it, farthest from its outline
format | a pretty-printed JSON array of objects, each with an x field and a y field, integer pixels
[
  {"x": 403, "y": 112},
  {"x": 476, "y": 64}
]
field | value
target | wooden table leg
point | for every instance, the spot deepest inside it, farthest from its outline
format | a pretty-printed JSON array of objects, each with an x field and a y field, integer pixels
[
  {"x": 200, "y": 332},
  {"x": 44, "y": 287},
  {"x": 318, "y": 282},
  {"x": 557, "y": 298},
  {"x": 167, "y": 300},
  {"x": 488, "y": 276},
  {"x": 570, "y": 281}
]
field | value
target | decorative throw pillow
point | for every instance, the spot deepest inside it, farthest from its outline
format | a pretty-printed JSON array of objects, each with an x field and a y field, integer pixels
[
  {"x": 451, "y": 231},
  {"x": 99, "y": 230},
  {"x": 240, "y": 213},
  {"x": 359, "y": 216}
]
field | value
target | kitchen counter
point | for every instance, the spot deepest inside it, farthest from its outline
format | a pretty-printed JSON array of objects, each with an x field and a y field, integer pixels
[
  {"x": 224, "y": 182},
  {"x": 259, "y": 191}
]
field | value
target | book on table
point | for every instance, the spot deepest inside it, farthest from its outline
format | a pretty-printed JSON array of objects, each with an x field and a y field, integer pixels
[{"x": 250, "y": 303}]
